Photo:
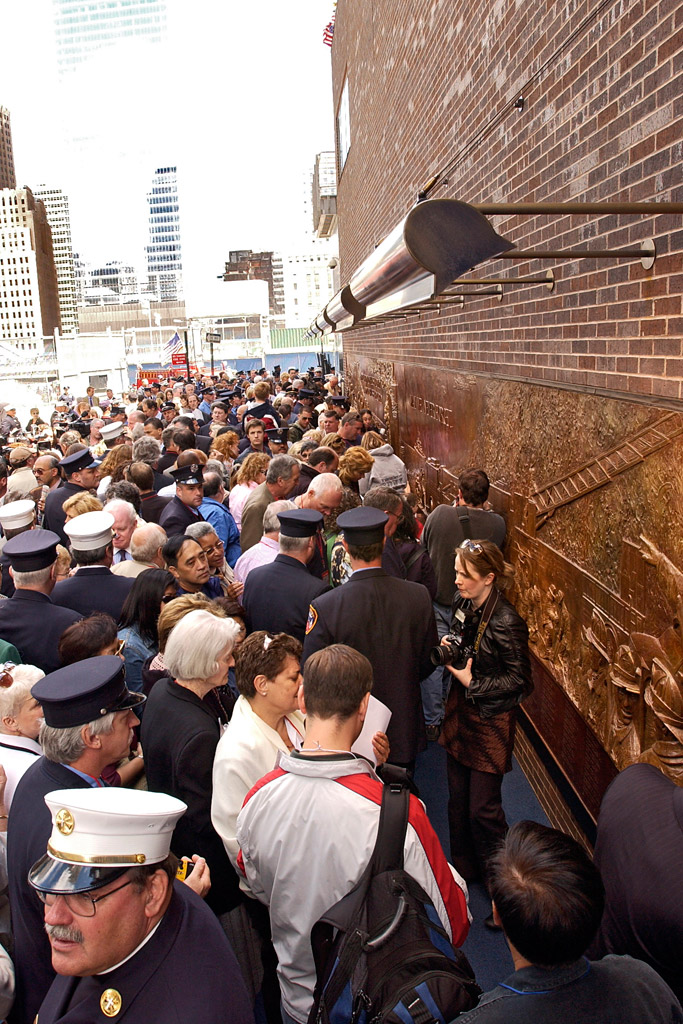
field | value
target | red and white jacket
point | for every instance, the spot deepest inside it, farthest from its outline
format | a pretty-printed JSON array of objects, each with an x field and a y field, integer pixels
[{"x": 306, "y": 832}]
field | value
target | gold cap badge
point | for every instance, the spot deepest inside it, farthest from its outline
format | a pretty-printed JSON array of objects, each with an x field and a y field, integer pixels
[
  {"x": 110, "y": 1002},
  {"x": 64, "y": 820}
]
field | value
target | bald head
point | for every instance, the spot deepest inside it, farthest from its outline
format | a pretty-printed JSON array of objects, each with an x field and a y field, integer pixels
[{"x": 146, "y": 544}]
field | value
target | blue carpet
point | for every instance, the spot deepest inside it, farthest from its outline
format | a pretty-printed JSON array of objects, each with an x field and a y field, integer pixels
[{"x": 487, "y": 951}]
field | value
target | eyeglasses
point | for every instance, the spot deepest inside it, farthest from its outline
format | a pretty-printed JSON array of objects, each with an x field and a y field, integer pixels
[
  {"x": 79, "y": 903},
  {"x": 168, "y": 597},
  {"x": 6, "y": 678},
  {"x": 471, "y": 545},
  {"x": 399, "y": 515}
]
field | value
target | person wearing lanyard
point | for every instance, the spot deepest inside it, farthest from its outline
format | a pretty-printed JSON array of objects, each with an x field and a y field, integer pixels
[{"x": 89, "y": 717}]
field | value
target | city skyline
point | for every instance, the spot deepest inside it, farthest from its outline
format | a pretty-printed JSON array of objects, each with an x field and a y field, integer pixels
[{"x": 239, "y": 101}]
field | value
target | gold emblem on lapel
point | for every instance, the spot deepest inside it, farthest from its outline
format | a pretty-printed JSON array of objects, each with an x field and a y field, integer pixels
[
  {"x": 64, "y": 820},
  {"x": 110, "y": 1002}
]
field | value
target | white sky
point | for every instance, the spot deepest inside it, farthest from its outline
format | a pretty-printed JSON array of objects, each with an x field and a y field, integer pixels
[{"x": 239, "y": 99}]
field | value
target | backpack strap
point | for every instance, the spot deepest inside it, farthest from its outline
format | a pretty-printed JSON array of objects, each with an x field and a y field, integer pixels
[
  {"x": 391, "y": 831},
  {"x": 463, "y": 515}
]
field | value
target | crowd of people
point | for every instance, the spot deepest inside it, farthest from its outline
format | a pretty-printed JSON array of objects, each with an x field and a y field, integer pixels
[{"x": 225, "y": 620}]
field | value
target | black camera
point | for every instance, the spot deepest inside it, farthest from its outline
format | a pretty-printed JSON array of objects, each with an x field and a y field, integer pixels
[{"x": 454, "y": 651}]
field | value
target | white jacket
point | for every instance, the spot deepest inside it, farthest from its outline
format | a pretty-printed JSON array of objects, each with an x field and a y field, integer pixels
[
  {"x": 246, "y": 752},
  {"x": 306, "y": 833}
]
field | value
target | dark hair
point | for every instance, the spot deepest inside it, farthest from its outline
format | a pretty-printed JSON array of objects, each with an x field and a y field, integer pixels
[
  {"x": 142, "y": 475},
  {"x": 335, "y": 681},
  {"x": 253, "y": 658},
  {"x": 474, "y": 485},
  {"x": 3, "y": 469},
  {"x": 320, "y": 454},
  {"x": 89, "y": 556},
  {"x": 153, "y": 421},
  {"x": 483, "y": 556},
  {"x": 407, "y": 527},
  {"x": 231, "y": 606},
  {"x": 86, "y": 638},
  {"x": 140, "y": 874},
  {"x": 548, "y": 893},
  {"x": 125, "y": 490},
  {"x": 366, "y": 552},
  {"x": 172, "y": 548},
  {"x": 141, "y": 607},
  {"x": 254, "y": 423},
  {"x": 212, "y": 484},
  {"x": 183, "y": 439},
  {"x": 186, "y": 421}
]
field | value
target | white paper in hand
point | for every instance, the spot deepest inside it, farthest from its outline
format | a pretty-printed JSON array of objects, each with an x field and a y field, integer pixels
[{"x": 376, "y": 720}]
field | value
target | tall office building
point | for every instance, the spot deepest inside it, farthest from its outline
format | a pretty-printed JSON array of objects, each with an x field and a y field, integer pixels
[
  {"x": 29, "y": 303},
  {"x": 164, "y": 255},
  {"x": 8, "y": 178},
  {"x": 84, "y": 26},
  {"x": 57, "y": 209}
]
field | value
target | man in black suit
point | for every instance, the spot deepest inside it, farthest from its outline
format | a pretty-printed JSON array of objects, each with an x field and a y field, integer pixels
[
  {"x": 219, "y": 415},
  {"x": 89, "y": 719},
  {"x": 183, "y": 509},
  {"x": 185, "y": 424},
  {"x": 29, "y": 619},
  {"x": 277, "y": 596},
  {"x": 152, "y": 504},
  {"x": 94, "y": 587},
  {"x": 80, "y": 472},
  {"x": 390, "y": 621},
  {"x": 639, "y": 852}
]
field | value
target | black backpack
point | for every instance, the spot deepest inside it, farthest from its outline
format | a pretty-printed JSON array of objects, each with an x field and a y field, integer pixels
[{"x": 381, "y": 953}]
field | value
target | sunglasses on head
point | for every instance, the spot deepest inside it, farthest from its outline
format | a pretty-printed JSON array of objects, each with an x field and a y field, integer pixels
[{"x": 471, "y": 545}]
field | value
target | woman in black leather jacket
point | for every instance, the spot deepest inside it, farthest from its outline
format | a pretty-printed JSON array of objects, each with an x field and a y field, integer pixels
[{"x": 492, "y": 676}]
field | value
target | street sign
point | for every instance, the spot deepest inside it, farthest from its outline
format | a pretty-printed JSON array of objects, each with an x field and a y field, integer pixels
[{"x": 212, "y": 337}]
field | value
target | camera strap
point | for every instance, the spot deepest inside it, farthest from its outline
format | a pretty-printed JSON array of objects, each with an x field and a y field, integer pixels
[
  {"x": 463, "y": 515},
  {"x": 487, "y": 612}
]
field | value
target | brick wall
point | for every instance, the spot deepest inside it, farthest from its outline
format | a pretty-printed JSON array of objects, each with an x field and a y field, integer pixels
[{"x": 602, "y": 122}]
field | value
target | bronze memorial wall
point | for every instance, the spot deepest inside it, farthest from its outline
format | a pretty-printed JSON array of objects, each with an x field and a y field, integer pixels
[{"x": 592, "y": 491}]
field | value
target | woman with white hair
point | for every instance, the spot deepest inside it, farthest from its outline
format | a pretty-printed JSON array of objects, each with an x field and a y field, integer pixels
[
  {"x": 20, "y": 719},
  {"x": 179, "y": 735}
]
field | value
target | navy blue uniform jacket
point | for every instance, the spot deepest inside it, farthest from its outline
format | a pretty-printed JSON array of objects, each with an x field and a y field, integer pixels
[
  {"x": 28, "y": 832},
  {"x": 277, "y": 596},
  {"x": 392, "y": 623},
  {"x": 177, "y": 516},
  {"x": 179, "y": 735},
  {"x": 31, "y": 622},
  {"x": 186, "y": 974},
  {"x": 55, "y": 516},
  {"x": 93, "y": 589}
]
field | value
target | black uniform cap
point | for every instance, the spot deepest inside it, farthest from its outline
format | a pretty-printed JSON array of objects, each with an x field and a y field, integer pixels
[
  {"x": 78, "y": 461},
  {"x": 362, "y": 525},
  {"x": 33, "y": 550},
  {"x": 191, "y": 474},
  {"x": 85, "y": 691},
  {"x": 278, "y": 434},
  {"x": 299, "y": 522}
]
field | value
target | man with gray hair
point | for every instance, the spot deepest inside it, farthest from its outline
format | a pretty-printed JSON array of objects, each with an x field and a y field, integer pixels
[
  {"x": 282, "y": 477},
  {"x": 145, "y": 547},
  {"x": 89, "y": 719},
  {"x": 268, "y": 547},
  {"x": 148, "y": 449},
  {"x": 277, "y": 597},
  {"x": 125, "y": 520},
  {"x": 93, "y": 587}
]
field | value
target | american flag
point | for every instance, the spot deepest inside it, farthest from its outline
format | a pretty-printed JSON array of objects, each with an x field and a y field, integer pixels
[
  {"x": 172, "y": 346},
  {"x": 328, "y": 34}
]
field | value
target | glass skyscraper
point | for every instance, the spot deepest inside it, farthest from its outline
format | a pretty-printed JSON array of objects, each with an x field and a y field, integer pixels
[
  {"x": 83, "y": 26},
  {"x": 164, "y": 258}
]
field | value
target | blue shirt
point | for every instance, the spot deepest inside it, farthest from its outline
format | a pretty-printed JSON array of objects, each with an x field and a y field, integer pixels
[{"x": 225, "y": 526}]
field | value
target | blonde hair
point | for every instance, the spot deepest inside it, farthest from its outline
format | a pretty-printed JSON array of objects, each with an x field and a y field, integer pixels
[
  {"x": 262, "y": 390},
  {"x": 178, "y": 608},
  {"x": 80, "y": 503},
  {"x": 115, "y": 462},
  {"x": 333, "y": 441},
  {"x": 354, "y": 464},
  {"x": 255, "y": 463},
  {"x": 371, "y": 440}
]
